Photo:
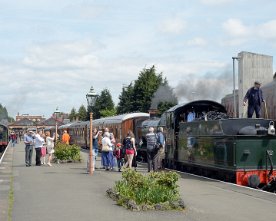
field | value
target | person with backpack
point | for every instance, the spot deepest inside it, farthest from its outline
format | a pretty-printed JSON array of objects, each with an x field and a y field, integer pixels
[
  {"x": 151, "y": 149},
  {"x": 129, "y": 146}
]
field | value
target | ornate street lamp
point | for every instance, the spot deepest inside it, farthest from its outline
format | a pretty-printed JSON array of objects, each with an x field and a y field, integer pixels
[
  {"x": 91, "y": 97},
  {"x": 57, "y": 112}
]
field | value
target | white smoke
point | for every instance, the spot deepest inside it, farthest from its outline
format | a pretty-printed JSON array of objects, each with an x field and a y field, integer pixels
[
  {"x": 163, "y": 94},
  {"x": 210, "y": 86}
]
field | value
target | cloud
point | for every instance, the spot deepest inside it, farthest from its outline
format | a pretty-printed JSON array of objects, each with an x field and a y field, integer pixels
[
  {"x": 85, "y": 10},
  {"x": 215, "y": 2},
  {"x": 173, "y": 25},
  {"x": 61, "y": 73},
  {"x": 267, "y": 30},
  {"x": 197, "y": 42},
  {"x": 78, "y": 54},
  {"x": 235, "y": 28},
  {"x": 239, "y": 34}
]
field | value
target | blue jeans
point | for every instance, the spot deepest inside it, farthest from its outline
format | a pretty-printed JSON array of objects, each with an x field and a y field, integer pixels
[{"x": 120, "y": 163}]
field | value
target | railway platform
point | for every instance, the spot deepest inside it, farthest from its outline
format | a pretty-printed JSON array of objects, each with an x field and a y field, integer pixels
[{"x": 66, "y": 192}]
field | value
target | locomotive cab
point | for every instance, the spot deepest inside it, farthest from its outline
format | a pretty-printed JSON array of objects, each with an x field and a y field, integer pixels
[{"x": 172, "y": 118}]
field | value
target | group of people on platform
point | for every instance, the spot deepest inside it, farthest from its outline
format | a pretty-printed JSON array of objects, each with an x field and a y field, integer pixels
[
  {"x": 43, "y": 144},
  {"x": 123, "y": 155},
  {"x": 114, "y": 154}
]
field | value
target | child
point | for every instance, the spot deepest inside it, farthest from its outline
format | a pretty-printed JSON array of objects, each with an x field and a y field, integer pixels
[
  {"x": 43, "y": 153},
  {"x": 119, "y": 156}
]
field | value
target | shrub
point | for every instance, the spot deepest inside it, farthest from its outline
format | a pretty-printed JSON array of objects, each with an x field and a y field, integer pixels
[
  {"x": 150, "y": 191},
  {"x": 65, "y": 152}
]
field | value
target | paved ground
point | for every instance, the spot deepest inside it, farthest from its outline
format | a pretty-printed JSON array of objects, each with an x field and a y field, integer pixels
[
  {"x": 66, "y": 192},
  {"x": 5, "y": 183}
]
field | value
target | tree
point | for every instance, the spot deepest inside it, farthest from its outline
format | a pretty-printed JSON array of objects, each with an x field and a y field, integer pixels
[
  {"x": 104, "y": 105},
  {"x": 73, "y": 114},
  {"x": 125, "y": 104},
  {"x": 108, "y": 113},
  {"x": 4, "y": 114},
  {"x": 82, "y": 113},
  {"x": 145, "y": 86},
  {"x": 138, "y": 97}
]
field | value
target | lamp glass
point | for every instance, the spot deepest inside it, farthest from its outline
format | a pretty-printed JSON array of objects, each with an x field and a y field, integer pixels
[{"x": 91, "y": 97}]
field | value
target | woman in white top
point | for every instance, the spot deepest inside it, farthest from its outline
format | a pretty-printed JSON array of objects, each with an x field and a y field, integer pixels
[
  {"x": 50, "y": 146},
  {"x": 106, "y": 147}
]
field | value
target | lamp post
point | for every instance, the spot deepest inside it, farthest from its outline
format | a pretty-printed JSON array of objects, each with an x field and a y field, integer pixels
[
  {"x": 234, "y": 86},
  {"x": 56, "y": 115},
  {"x": 91, "y": 97}
]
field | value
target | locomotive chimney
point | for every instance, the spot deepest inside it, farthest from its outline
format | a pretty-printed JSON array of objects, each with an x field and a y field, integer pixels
[{"x": 153, "y": 113}]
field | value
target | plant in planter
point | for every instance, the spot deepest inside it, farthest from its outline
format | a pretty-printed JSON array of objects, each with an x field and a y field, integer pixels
[
  {"x": 156, "y": 190},
  {"x": 65, "y": 152}
]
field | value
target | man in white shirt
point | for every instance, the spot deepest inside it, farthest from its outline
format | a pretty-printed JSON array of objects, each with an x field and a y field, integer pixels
[{"x": 39, "y": 140}]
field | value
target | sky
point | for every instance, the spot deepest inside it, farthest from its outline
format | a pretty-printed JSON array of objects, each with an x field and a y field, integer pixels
[{"x": 52, "y": 51}]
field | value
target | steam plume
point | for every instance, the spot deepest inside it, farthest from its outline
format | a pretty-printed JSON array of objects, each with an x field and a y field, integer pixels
[
  {"x": 210, "y": 87},
  {"x": 163, "y": 94}
]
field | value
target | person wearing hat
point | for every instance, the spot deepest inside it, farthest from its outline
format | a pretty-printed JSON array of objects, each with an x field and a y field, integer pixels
[
  {"x": 29, "y": 142},
  {"x": 254, "y": 97}
]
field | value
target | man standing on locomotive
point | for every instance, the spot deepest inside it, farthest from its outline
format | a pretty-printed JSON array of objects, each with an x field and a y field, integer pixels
[{"x": 254, "y": 96}]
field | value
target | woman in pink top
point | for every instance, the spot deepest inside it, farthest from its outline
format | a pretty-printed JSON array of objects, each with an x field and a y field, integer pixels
[{"x": 129, "y": 145}]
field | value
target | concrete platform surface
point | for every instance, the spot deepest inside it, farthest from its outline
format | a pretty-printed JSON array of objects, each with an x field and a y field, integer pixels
[{"x": 66, "y": 192}]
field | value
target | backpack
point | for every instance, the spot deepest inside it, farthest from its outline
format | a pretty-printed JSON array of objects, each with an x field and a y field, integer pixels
[
  {"x": 127, "y": 143},
  {"x": 151, "y": 141}
]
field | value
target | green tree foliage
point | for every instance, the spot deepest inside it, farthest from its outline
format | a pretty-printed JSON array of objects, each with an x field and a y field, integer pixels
[
  {"x": 82, "y": 113},
  {"x": 73, "y": 114},
  {"x": 108, "y": 112},
  {"x": 144, "y": 88},
  {"x": 104, "y": 105},
  {"x": 138, "y": 97},
  {"x": 4, "y": 114},
  {"x": 125, "y": 104}
]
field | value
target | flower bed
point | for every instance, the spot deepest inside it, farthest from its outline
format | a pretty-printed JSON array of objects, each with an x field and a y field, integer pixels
[{"x": 156, "y": 190}]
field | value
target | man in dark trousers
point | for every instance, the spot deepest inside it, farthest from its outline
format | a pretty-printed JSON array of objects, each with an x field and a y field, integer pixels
[
  {"x": 151, "y": 149},
  {"x": 254, "y": 96}
]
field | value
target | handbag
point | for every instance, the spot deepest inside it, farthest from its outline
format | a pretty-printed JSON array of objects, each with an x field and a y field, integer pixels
[{"x": 105, "y": 148}]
